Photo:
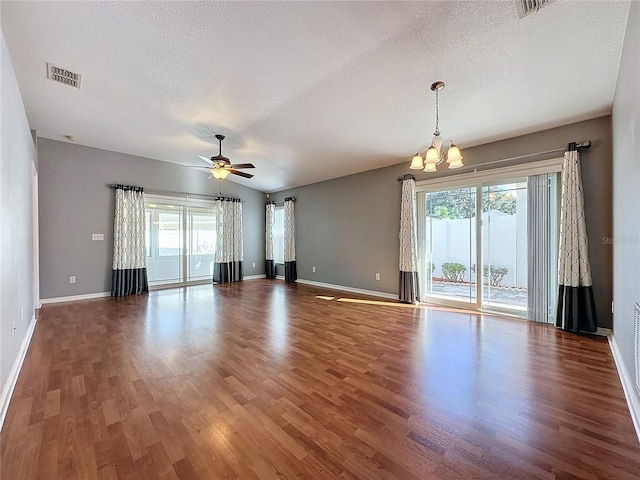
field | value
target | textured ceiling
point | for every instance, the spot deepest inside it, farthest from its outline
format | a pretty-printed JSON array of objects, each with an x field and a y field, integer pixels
[{"x": 309, "y": 90}]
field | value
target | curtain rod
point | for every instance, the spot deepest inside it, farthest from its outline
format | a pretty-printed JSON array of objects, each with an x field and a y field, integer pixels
[
  {"x": 584, "y": 145},
  {"x": 281, "y": 202},
  {"x": 181, "y": 194}
]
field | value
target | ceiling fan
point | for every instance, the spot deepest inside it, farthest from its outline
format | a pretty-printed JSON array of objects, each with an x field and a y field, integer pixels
[{"x": 221, "y": 167}]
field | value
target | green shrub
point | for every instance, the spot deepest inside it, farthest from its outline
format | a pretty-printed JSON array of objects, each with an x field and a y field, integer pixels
[
  {"x": 491, "y": 274},
  {"x": 453, "y": 271}
]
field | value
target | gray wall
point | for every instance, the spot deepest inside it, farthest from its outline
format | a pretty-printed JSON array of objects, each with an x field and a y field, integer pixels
[
  {"x": 17, "y": 155},
  {"x": 626, "y": 199},
  {"x": 348, "y": 227},
  {"x": 75, "y": 201}
]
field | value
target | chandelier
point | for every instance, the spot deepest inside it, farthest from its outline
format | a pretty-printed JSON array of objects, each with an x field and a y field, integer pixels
[{"x": 439, "y": 151}]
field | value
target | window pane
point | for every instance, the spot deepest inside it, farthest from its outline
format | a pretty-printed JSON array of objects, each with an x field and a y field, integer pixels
[
  {"x": 278, "y": 236},
  {"x": 504, "y": 245},
  {"x": 147, "y": 217},
  {"x": 202, "y": 242},
  {"x": 164, "y": 264},
  {"x": 450, "y": 245}
]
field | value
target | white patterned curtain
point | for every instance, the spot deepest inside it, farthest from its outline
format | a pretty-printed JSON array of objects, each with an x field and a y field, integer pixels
[
  {"x": 228, "y": 266},
  {"x": 290, "y": 269},
  {"x": 576, "y": 306},
  {"x": 129, "y": 274},
  {"x": 269, "y": 264},
  {"x": 409, "y": 284}
]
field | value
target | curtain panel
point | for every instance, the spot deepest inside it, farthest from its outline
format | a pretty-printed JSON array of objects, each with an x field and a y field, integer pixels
[
  {"x": 269, "y": 263},
  {"x": 129, "y": 274},
  {"x": 409, "y": 288},
  {"x": 290, "y": 269},
  {"x": 576, "y": 306},
  {"x": 228, "y": 266}
]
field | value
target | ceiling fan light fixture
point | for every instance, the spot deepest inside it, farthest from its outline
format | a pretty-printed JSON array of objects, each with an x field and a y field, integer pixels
[{"x": 220, "y": 173}]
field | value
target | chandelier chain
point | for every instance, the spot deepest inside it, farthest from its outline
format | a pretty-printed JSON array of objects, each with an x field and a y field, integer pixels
[{"x": 437, "y": 132}]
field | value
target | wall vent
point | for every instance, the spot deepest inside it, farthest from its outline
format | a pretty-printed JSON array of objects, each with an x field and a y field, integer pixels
[
  {"x": 61, "y": 75},
  {"x": 636, "y": 343},
  {"x": 527, "y": 7}
]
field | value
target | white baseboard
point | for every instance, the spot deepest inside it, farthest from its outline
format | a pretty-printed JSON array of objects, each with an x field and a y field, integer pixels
[
  {"x": 10, "y": 384},
  {"x": 73, "y": 298},
  {"x": 331, "y": 286},
  {"x": 253, "y": 277},
  {"x": 604, "y": 332},
  {"x": 628, "y": 385}
]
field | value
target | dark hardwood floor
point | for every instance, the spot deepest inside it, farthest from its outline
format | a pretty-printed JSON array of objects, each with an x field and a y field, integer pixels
[{"x": 262, "y": 380}]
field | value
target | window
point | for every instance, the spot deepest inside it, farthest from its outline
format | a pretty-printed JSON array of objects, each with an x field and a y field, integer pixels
[
  {"x": 278, "y": 235},
  {"x": 181, "y": 239}
]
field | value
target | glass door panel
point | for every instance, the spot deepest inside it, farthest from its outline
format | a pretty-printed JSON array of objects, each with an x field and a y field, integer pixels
[
  {"x": 201, "y": 231},
  {"x": 164, "y": 265},
  {"x": 504, "y": 245},
  {"x": 450, "y": 245}
]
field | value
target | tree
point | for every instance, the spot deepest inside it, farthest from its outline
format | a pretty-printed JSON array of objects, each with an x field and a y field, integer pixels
[{"x": 461, "y": 203}]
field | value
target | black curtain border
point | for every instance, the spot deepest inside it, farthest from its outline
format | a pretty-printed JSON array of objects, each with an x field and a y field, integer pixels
[
  {"x": 228, "y": 272},
  {"x": 408, "y": 287},
  {"x": 270, "y": 269},
  {"x": 576, "y": 309},
  {"x": 290, "y": 271},
  {"x": 129, "y": 281}
]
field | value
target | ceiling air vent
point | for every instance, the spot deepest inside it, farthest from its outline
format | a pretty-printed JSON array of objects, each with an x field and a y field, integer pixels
[
  {"x": 61, "y": 75},
  {"x": 527, "y": 7}
]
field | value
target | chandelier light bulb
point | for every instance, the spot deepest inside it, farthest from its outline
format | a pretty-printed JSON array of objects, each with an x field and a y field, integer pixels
[
  {"x": 456, "y": 164},
  {"x": 429, "y": 167},
  {"x": 416, "y": 163},
  {"x": 433, "y": 155},
  {"x": 453, "y": 155}
]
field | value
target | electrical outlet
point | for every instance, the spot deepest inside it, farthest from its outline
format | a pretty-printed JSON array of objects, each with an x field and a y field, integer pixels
[
  {"x": 314, "y": 269},
  {"x": 13, "y": 328},
  {"x": 377, "y": 276},
  {"x": 72, "y": 279},
  {"x": 254, "y": 264},
  {"x": 97, "y": 236}
]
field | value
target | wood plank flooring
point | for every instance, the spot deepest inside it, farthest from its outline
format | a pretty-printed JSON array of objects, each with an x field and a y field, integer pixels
[{"x": 263, "y": 380}]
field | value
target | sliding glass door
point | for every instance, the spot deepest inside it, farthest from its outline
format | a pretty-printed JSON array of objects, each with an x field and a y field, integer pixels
[
  {"x": 450, "y": 245},
  {"x": 474, "y": 243},
  {"x": 164, "y": 243},
  {"x": 181, "y": 240},
  {"x": 201, "y": 234},
  {"x": 504, "y": 245}
]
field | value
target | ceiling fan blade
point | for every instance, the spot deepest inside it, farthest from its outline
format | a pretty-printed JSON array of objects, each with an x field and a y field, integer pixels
[
  {"x": 242, "y": 174},
  {"x": 206, "y": 159},
  {"x": 242, "y": 165}
]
